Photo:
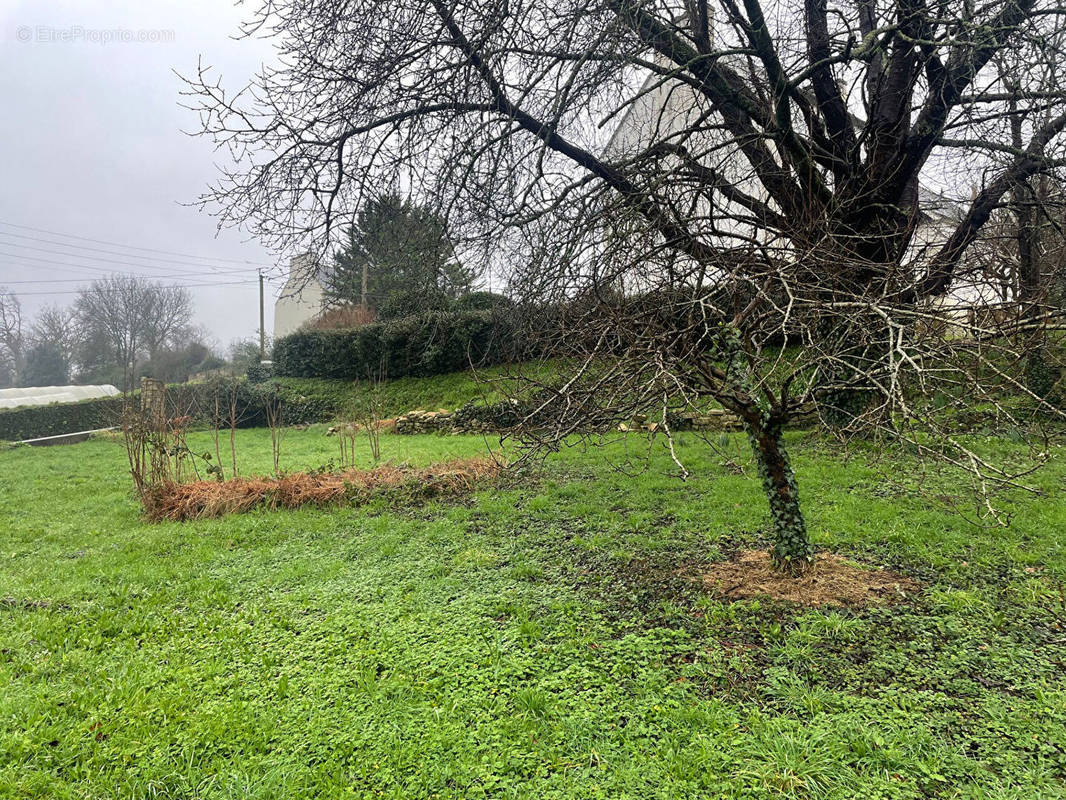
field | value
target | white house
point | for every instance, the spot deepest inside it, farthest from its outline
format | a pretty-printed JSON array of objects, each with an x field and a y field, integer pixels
[{"x": 302, "y": 298}]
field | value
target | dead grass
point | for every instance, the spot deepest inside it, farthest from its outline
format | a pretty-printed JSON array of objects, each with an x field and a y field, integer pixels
[
  {"x": 352, "y": 316},
  {"x": 834, "y": 581},
  {"x": 202, "y": 499}
]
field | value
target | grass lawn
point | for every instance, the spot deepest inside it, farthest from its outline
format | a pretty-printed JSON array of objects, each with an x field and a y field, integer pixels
[
  {"x": 536, "y": 641},
  {"x": 450, "y": 391}
]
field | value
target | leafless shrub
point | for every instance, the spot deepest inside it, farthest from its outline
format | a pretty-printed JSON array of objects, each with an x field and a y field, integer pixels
[
  {"x": 157, "y": 449},
  {"x": 175, "y": 501},
  {"x": 369, "y": 409},
  {"x": 275, "y": 416}
]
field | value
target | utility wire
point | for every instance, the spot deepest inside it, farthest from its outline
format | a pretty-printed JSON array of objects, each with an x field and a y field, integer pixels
[
  {"x": 106, "y": 270},
  {"x": 130, "y": 246},
  {"x": 177, "y": 286},
  {"x": 86, "y": 278},
  {"x": 154, "y": 260}
]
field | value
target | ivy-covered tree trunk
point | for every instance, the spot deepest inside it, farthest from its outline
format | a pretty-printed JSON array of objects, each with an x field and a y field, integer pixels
[{"x": 792, "y": 551}]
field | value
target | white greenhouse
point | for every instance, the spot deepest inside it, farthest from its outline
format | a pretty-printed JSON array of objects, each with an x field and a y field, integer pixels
[{"x": 44, "y": 395}]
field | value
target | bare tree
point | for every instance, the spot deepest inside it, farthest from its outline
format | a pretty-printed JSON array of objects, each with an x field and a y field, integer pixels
[
  {"x": 711, "y": 184},
  {"x": 168, "y": 310},
  {"x": 11, "y": 337},
  {"x": 132, "y": 316},
  {"x": 57, "y": 327}
]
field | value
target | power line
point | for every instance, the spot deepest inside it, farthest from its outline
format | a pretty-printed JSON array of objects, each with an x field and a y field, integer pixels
[
  {"x": 132, "y": 275},
  {"x": 130, "y": 246},
  {"x": 176, "y": 286},
  {"x": 81, "y": 247},
  {"x": 210, "y": 271},
  {"x": 105, "y": 270}
]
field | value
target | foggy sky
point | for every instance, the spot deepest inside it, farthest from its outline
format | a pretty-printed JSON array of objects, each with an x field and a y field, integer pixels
[{"x": 91, "y": 145}]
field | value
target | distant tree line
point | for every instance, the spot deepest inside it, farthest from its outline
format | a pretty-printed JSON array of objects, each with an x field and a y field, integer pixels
[{"x": 119, "y": 328}]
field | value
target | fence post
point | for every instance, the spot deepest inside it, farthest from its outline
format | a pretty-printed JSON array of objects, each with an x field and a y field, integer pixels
[{"x": 154, "y": 402}]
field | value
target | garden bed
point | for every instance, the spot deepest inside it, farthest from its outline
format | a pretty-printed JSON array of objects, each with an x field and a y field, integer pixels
[{"x": 202, "y": 499}]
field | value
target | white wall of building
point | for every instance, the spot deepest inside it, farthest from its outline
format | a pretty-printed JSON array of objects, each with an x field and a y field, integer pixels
[{"x": 301, "y": 299}]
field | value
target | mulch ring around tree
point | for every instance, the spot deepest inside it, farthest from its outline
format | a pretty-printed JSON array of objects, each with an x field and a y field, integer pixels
[{"x": 833, "y": 581}]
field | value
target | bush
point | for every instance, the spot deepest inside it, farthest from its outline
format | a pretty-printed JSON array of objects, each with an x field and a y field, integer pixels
[
  {"x": 300, "y": 405},
  {"x": 412, "y": 303},
  {"x": 249, "y": 399},
  {"x": 433, "y": 343},
  {"x": 1041, "y": 374},
  {"x": 260, "y": 373},
  {"x": 32, "y": 422},
  {"x": 483, "y": 301}
]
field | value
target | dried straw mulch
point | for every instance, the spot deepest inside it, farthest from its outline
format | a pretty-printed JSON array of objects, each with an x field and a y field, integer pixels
[
  {"x": 834, "y": 581},
  {"x": 203, "y": 499}
]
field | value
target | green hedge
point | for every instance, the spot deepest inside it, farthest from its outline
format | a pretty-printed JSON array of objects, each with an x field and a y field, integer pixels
[
  {"x": 260, "y": 373},
  {"x": 199, "y": 402},
  {"x": 299, "y": 406},
  {"x": 433, "y": 343},
  {"x": 33, "y": 422}
]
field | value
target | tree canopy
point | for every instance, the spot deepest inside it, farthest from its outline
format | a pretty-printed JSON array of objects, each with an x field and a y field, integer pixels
[
  {"x": 395, "y": 247},
  {"x": 125, "y": 319}
]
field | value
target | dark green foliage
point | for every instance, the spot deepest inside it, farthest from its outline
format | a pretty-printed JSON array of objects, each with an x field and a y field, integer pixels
[
  {"x": 410, "y": 302},
  {"x": 46, "y": 365},
  {"x": 301, "y": 405},
  {"x": 427, "y": 344},
  {"x": 403, "y": 247},
  {"x": 1041, "y": 374},
  {"x": 33, "y": 422},
  {"x": 483, "y": 301},
  {"x": 198, "y": 401},
  {"x": 259, "y": 373}
]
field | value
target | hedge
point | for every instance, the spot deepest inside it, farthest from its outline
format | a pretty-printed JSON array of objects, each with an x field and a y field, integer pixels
[
  {"x": 32, "y": 422},
  {"x": 433, "y": 343},
  {"x": 483, "y": 301},
  {"x": 260, "y": 373},
  {"x": 194, "y": 400}
]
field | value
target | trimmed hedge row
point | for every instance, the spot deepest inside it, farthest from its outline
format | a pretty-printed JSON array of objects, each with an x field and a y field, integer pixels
[
  {"x": 192, "y": 400},
  {"x": 433, "y": 343},
  {"x": 33, "y": 422}
]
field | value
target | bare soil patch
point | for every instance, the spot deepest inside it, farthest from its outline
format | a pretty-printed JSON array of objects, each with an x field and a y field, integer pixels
[
  {"x": 834, "y": 581},
  {"x": 202, "y": 499}
]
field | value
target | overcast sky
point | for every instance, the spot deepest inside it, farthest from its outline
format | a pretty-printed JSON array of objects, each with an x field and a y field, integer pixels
[{"x": 92, "y": 146}]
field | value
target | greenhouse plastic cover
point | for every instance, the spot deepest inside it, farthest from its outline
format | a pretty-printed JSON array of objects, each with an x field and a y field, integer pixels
[{"x": 43, "y": 395}]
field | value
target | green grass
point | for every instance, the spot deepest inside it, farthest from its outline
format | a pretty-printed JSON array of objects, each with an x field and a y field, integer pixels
[
  {"x": 536, "y": 641},
  {"x": 406, "y": 394}
]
